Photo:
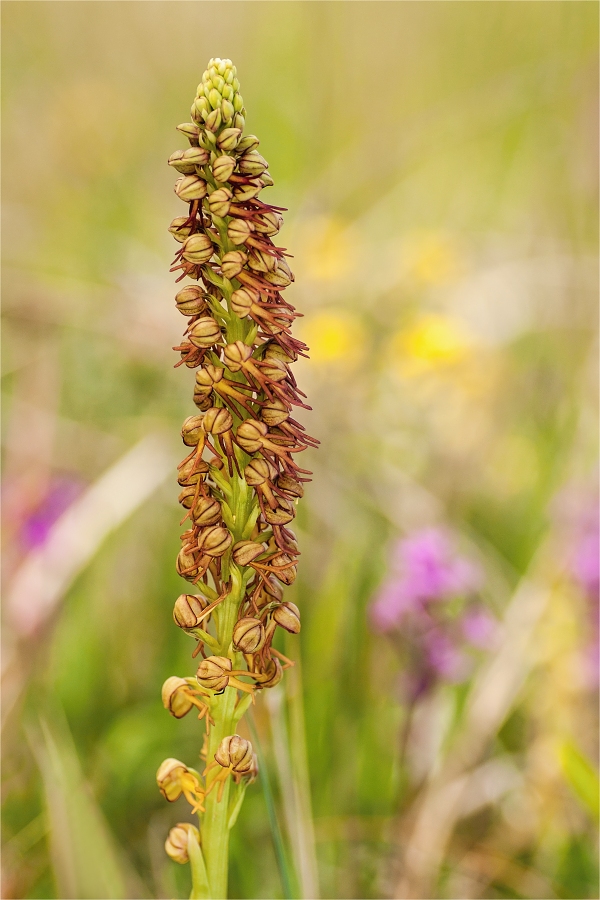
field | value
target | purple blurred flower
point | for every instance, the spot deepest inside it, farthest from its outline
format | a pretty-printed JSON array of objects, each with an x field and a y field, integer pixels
[
  {"x": 424, "y": 568},
  {"x": 37, "y": 525},
  {"x": 480, "y": 628},
  {"x": 444, "y": 657}
]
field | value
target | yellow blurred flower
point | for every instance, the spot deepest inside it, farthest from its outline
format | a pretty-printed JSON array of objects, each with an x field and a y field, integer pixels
[
  {"x": 435, "y": 340},
  {"x": 329, "y": 249},
  {"x": 334, "y": 337},
  {"x": 431, "y": 257}
]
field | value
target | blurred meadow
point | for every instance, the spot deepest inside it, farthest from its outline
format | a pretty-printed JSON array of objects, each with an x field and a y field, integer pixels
[{"x": 438, "y": 734}]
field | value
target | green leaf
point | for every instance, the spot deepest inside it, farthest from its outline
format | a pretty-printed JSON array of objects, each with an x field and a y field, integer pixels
[
  {"x": 200, "y": 886},
  {"x": 581, "y": 777}
]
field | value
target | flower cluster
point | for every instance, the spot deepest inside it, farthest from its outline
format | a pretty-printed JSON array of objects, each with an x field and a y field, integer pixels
[
  {"x": 423, "y": 606},
  {"x": 240, "y": 482}
]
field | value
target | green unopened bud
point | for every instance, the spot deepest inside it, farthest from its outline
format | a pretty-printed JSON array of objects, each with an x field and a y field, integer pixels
[
  {"x": 228, "y": 139},
  {"x": 191, "y": 300},
  {"x": 274, "y": 370},
  {"x": 219, "y": 202},
  {"x": 274, "y": 412},
  {"x": 245, "y": 552},
  {"x": 291, "y": 487},
  {"x": 250, "y": 142},
  {"x": 188, "y": 610},
  {"x": 232, "y": 263},
  {"x": 205, "y": 332},
  {"x": 217, "y": 420},
  {"x": 213, "y": 673},
  {"x": 176, "y": 844},
  {"x": 261, "y": 261},
  {"x": 175, "y": 698},
  {"x": 250, "y": 435},
  {"x": 239, "y": 230},
  {"x": 252, "y": 163},
  {"x": 282, "y": 276},
  {"x": 198, "y": 249},
  {"x": 248, "y": 635},
  {"x": 288, "y": 617},
  {"x": 215, "y": 541},
  {"x": 214, "y": 98},
  {"x": 213, "y": 120},
  {"x": 190, "y": 187},
  {"x": 244, "y": 192},
  {"x": 191, "y": 132},
  {"x": 276, "y": 351},
  {"x": 268, "y": 223},
  {"x": 181, "y": 228},
  {"x": 178, "y": 162},
  {"x": 222, "y": 168},
  {"x": 267, "y": 180},
  {"x": 235, "y": 753},
  {"x": 227, "y": 109},
  {"x": 206, "y": 511}
]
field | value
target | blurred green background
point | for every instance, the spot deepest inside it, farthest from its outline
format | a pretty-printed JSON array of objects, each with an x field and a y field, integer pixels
[{"x": 439, "y": 163}]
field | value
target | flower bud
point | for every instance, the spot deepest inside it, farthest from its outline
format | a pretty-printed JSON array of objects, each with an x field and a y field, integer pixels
[
  {"x": 212, "y": 673},
  {"x": 235, "y": 753},
  {"x": 228, "y": 139},
  {"x": 238, "y": 231},
  {"x": 274, "y": 370},
  {"x": 276, "y": 351},
  {"x": 239, "y": 121},
  {"x": 205, "y": 332},
  {"x": 217, "y": 420},
  {"x": 191, "y": 430},
  {"x": 236, "y": 354},
  {"x": 177, "y": 842},
  {"x": 191, "y": 132},
  {"x": 268, "y": 223},
  {"x": 222, "y": 168},
  {"x": 283, "y": 568},
  {"x": 198, "y": 249},
  {"x": 168, "y": 778},
  {"x": 274, "y": 412},
  {"x": 190, "y": 187},
  {"x": 290, "y": 486},
  {"x": 187, "y": 565},
  {"x": 267, "y": 180},
  {"x": 191, "y": 300},
  {"x": 227, "y": 110},
  {"x": 272, "y": 589},
  {"x": 252, "y": 163},
  {"x": 245, "y": 192},
  {"x": 180, "y": 164},
  {"x": 213, "y": 120},
  {"x": 261, "y": 262},
  {"x": 242, "y": 300},
  {"x": 250, "y": 142},
  {"x": 186, "y": 497},
  {"x": 181, "y": 228},
  {"x": 274, "y": 671},
  {"x": 282, "y": 515},
  {"x": 288, "y": 617},
  {"x": 282, "y": 276},
  {"x": 188, "y": 610},
  {"x": 250, "y": 435},
  {"x": 245, "y": 552},
  {"x": 215, "y": 541},
  {"x": 192, "y": 472},
  {"x": 206, "y": 511},
  {"x": 258, "y": 471},
  {"x": 174, "y": 699},
  {"x": 248, "y": 635},
  {"x": 233, "y": 263},
  {"x": 219, "y": 202}
]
